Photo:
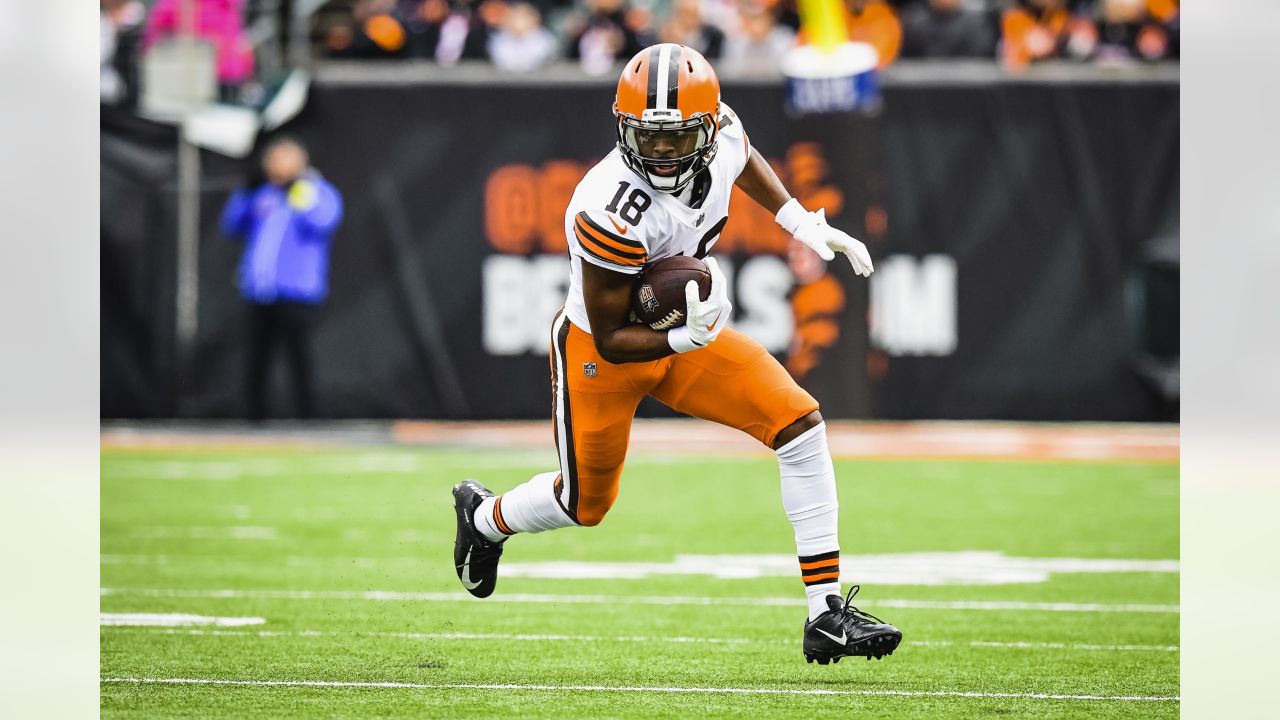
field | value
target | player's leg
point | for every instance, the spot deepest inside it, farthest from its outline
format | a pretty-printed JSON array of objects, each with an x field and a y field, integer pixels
[
  {"x": 593, "y": 405},
  {"x": 736, "y": 382},
  {"x": 809, "y": 498}
]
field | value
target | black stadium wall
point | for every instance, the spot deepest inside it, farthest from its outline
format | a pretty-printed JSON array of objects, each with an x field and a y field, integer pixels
[{"x": 1010, "y": 222}]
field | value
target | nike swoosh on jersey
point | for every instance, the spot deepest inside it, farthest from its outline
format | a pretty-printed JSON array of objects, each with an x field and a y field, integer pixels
[
  {"x": 466, "y": 574},
  {"x": 620, "y": 228},
  {"x": 844, "y": 636}
]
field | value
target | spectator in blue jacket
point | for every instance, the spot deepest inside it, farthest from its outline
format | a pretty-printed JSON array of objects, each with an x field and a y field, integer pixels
[{"x": 287, "y": 222}]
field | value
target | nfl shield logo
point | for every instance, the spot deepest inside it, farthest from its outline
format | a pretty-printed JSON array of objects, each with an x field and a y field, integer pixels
[
  {"x": 647, "y": 299},
  {"x": 589, "y": 369}
]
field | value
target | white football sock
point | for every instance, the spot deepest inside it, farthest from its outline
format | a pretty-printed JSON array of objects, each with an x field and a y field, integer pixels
[
  {"x": 809, "y": 498},
  {"x": 485, "y": 523},
  {"x": 817, "y": 597},
  {"x": 531, "y": 507}
]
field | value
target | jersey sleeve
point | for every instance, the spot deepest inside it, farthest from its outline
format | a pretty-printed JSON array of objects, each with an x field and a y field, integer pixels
[
  {"x": 600, "y": 239},
  {"x": 733, "y": 139}
]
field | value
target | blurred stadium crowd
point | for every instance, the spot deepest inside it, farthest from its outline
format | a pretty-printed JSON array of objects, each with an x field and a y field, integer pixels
[
  {"x": 740, "y": 35},
  {"x": 746, "y": 34}
]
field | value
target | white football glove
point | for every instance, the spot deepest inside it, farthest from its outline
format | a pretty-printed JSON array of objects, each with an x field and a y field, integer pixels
[
  {"x": 811, "y": 228},
  {"x": 704, "y": 319}
]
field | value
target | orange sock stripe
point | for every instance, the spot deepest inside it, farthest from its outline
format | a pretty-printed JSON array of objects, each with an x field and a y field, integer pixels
[
  {"x": 812, "y": 579},
  {"x": 833, "y": 562},
  {"x": 497, "y": 518}
]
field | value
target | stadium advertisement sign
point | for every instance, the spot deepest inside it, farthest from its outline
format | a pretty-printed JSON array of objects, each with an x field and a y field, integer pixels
[{"x": 1004, "y": 233}]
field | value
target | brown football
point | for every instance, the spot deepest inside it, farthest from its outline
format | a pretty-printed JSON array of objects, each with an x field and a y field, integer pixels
[{"x": 658, "y": 300}]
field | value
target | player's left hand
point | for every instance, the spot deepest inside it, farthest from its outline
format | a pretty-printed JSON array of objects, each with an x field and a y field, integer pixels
[{"x": 825, "y": 240}]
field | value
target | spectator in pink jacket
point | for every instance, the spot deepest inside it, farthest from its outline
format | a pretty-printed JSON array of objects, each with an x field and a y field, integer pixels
[{"x": 221, "y": 22}]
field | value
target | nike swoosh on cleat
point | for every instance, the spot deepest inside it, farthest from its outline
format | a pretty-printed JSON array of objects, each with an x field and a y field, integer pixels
[
  {"x": 843, "y": 639},
  {"x": 466, "y": 574}
]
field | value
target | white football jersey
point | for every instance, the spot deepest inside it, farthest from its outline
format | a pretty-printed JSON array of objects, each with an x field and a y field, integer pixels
[{"x": 617, "y": 221}]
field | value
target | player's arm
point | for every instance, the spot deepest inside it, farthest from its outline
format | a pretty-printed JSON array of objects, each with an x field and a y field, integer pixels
[
  {"x": 607, "y": 295},
  {"x": 618, "y": 340},
  {"x": 612, "y": 256},
  {"x": 761, "y": 184}
]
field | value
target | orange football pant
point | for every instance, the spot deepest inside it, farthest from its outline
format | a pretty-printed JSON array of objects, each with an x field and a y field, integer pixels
[{"x": 733, "y": 381}]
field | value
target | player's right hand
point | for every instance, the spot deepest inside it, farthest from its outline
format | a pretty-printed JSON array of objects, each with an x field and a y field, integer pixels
[{"x": 704, "y": 319}]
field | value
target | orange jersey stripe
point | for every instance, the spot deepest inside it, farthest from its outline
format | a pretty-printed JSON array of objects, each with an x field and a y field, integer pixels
[
  {"x": 608, "y": 239},
  {"x": 604, "y": 253}
]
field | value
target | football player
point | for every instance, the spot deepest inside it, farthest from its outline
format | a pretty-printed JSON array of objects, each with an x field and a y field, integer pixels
[{"x": 664, "y": 191}]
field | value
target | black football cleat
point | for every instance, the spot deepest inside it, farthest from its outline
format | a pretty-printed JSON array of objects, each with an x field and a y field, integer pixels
[
  {"x": 846, "y": 631},
  {"x": 474, "y": 556}
]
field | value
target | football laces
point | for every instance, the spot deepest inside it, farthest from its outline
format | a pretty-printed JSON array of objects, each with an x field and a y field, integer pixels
[{"x": 667, "y": 322}]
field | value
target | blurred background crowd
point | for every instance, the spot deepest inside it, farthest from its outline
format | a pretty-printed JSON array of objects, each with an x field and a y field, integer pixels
[{"x": 745, "y": 36}]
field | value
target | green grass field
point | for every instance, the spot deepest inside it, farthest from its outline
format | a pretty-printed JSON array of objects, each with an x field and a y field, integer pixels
[{"x": 346, "y": 557}]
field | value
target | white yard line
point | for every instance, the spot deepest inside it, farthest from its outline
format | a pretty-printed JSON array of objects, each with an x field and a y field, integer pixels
[
  {"x": 202, "y": 532},
  {"x": 521, "y": 637},
  {"x": 1043, "y": 646},
  {"x": 607, "y": 688},
  {"x": 966, "y": 567},
  {"x": 173, "y": 620},
  {"x": 969, "y": 567},
  {"x": 1017, "y": 605},
  {"x": 525, "y": 598},
  {"x": 310, "y": 466},
  {"x": 524, "y": 637}
]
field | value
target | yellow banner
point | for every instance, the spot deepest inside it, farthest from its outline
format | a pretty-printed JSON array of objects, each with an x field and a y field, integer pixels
[{"x": 823, "y": 23}]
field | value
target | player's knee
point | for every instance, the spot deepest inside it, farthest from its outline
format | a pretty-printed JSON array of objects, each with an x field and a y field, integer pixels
[
  {"x": 591, "y": 518},
  {"x": 805, "y": 424},
  {"x": 592, "y": 509},
  {"x": 797, "y": 428},
  {"x": 593, "y": 515}
]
